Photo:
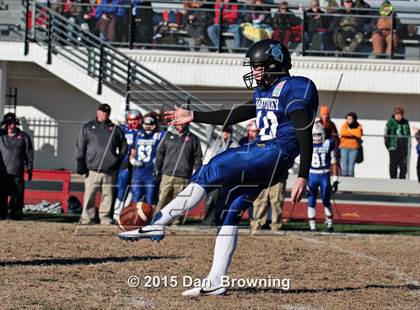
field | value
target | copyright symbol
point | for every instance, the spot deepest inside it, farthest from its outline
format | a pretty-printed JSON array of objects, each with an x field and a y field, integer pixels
[{"x": 133, "y": 281}]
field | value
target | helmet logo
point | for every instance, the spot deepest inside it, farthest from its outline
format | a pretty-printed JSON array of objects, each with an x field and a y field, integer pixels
[{"x": 276, "y": 52}]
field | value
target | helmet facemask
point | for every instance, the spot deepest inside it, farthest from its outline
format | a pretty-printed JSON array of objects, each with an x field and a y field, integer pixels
[
  {"x": 318, "y": 134},
  {"x": 149, "y": 125},
  {"x": 133, "y": 119}
]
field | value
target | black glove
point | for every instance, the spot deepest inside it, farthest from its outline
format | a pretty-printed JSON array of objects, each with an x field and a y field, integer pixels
[
  {"x": 156, "y": 176},
  {"x": 117, "y": 165},
  {"x": 29, "y": 172},
  {"x": 335, "y": 186},
  {"x": 82, "y": 168}
]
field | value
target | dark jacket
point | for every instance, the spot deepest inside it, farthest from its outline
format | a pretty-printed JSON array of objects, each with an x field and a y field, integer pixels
[
  {"x": 177, "y": 155},
  {"x": 16, "y": 152},
  {"x": 284, "y": 21},
  {"x": 397, "y": 135},
  {"x": 314, "y": 24},
  {"x": 102, "y": 146}
]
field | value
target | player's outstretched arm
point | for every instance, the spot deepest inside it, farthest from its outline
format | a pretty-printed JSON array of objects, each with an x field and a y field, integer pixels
[{"x": 222, "y": 117}]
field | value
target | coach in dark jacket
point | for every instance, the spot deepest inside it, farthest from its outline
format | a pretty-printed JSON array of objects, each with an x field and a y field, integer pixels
[
  {"x": 177, "y": 156},
  {"x": 100, "y": 149},
  {"x": 16, "y": 155}
]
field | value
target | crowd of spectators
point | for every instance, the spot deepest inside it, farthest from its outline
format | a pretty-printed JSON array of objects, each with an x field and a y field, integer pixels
[{"x": 330, "y": 28}]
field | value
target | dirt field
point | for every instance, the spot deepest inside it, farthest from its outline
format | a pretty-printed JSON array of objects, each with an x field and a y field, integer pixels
[{"x": 47, "y": 266}]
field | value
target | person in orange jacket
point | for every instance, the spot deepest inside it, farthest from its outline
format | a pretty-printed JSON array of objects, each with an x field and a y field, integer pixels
[{"x": 350, "y": 137}]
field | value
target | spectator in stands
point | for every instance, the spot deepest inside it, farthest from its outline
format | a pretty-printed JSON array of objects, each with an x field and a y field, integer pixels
[
  {"x": 217, "y": 145},
  {"x": 273, "y": 196},
  {"x": 348, "y": 35},
  {"x": 143, "y": 21},
  {"x": 198, "y": 15},
  {"x": 78, "y": 12},
  {"x": 417, "y": 136},
  {"x": 257, "y": 21},
  {"x": 397, "y": 136},
  {"x": 109, "y": 16},
  {"x": 177, "y": 156},
  {"x": 315, "y": 27},
  {"x": 368, "y": 23},
  {"x": 350, "y": 140},
  {"x": 411, "y": 32},
  {"x": 16, "y": 156},
  {"x": 385, "y": 31},
  {"x": 287, "y": 27},
  {"x": 100, "y": 150},
  {"x": 227, "y": 22}
]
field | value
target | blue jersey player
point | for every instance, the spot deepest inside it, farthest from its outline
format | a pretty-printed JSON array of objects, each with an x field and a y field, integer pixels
[
  {"x": 133, "y": 119},
  {"x": 142, "y": 157},
  {"x": 323, "y": 161},
  {"x": 285, "y": 108}
]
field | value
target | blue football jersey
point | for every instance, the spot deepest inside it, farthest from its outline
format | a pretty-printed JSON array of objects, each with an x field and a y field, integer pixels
[
  {"x": 275, "y": 104},
  {"x": 129, "y": 136},
  {"x": 145, "y": 146},
  {"x": 323, "y": 156}
]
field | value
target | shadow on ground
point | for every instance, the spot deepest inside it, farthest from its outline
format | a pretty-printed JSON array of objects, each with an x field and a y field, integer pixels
[
  {"x": 253, "y": 290},
  {"x": 82, "y": 260}
]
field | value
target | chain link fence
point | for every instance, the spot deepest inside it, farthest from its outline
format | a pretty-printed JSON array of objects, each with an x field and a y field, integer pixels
[{"x": 383, "y": 156}]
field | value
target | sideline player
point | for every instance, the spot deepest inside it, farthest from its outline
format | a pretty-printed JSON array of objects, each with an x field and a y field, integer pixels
[
  {"x": 133, "y": 125},
  {"x": 285, "y": 108},
  {"x": 323, "y": 161},
  {"x": 142, "y": 157}
]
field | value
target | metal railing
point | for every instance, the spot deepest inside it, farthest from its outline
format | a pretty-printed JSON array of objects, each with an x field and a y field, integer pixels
[
  {"x": 107, "y": 65},
  {"x": 169, "y": 26}
]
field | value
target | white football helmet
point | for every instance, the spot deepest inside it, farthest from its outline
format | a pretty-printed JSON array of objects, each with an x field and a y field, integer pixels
[{"x": 318, "y": 133}]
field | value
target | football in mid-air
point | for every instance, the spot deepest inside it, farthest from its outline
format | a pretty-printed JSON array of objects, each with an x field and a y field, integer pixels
[{"x": 135, "y": 215}]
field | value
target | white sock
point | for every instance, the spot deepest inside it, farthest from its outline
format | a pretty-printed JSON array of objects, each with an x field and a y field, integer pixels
[
  {"x": 312, "y": 224},
  {"x": 328, "y": 215},
  {"x": 117, "y": 208},
  {"x": 224, "y": 247},
  {"x": 183, "y": 202},
  {"x": 311, "y": 212},
  {"x": 329, "y": 222},
  {"x": 128, "y": 199}
]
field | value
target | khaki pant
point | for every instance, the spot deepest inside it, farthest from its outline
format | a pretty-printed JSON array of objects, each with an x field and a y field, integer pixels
[
  {"x": 105, "y": 182},
  {"x": 170, "y": 186},
  {"x": 273, "y": 196}
]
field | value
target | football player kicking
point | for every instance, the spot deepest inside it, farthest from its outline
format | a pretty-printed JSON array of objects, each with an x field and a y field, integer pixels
[
  {"x": 142, "y": 157},
  {"x": 323, "y": 160},
  {"x": 285, "y": 108},
  {"x": 133, "y": 125}
]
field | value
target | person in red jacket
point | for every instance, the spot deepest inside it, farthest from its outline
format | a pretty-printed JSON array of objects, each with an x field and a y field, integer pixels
[{"x": 227, "y": 20}]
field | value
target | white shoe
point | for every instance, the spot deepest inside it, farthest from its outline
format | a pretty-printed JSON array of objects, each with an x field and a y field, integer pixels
[
  {"x": 201, "y": 291},
  {"x": 152, "y": 232}
]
